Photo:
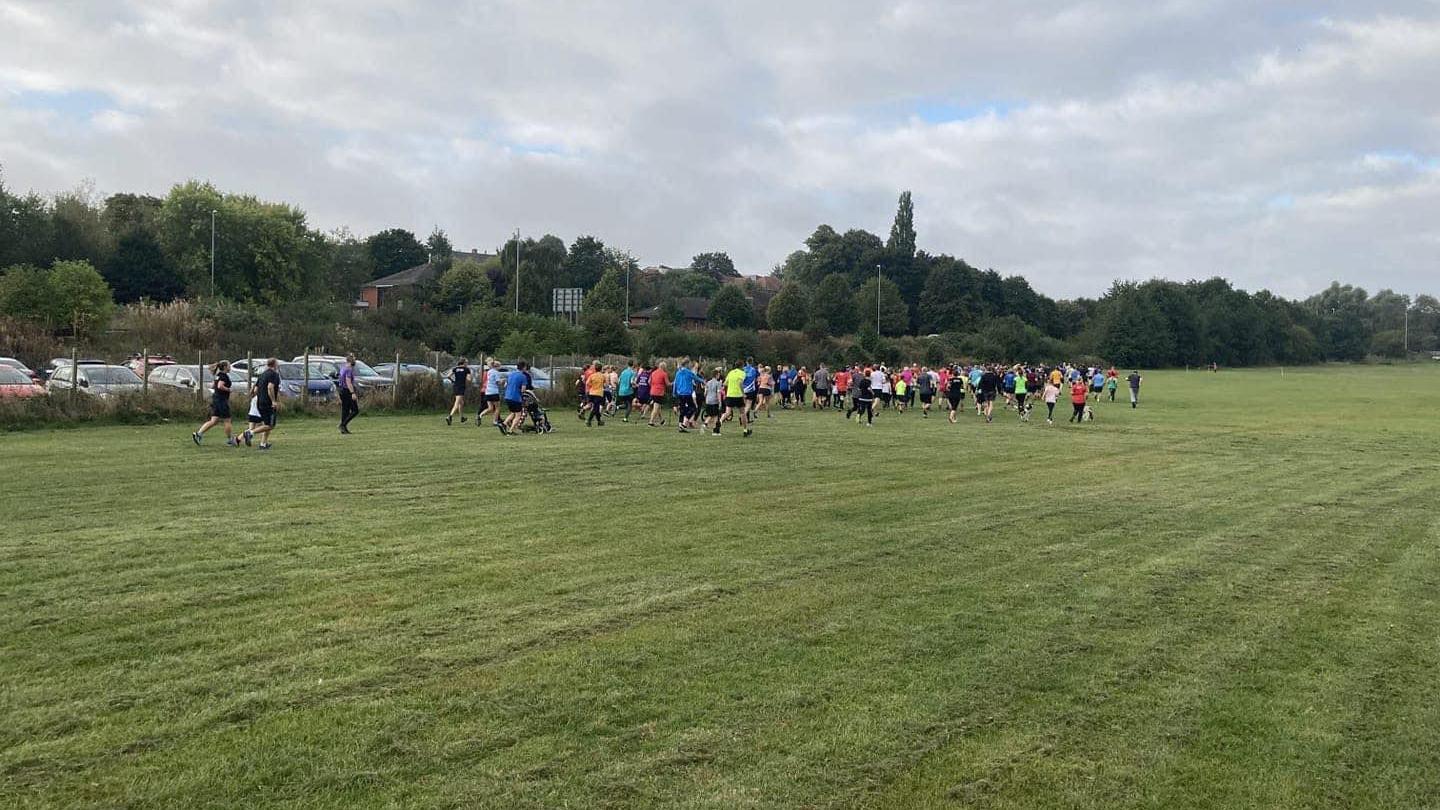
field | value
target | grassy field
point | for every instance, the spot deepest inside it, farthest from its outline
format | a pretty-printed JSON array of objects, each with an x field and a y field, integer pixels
[{"x": 1227, "y": 598}]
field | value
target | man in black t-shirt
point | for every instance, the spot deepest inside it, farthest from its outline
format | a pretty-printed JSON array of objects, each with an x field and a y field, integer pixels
[
  {"x": 266, "y": 405},
  {"x": 989, "y": 386},
  {"x": 459, "y": 378}
]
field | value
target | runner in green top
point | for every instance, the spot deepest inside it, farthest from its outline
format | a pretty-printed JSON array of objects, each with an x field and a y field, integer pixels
[
  {"x": 1021, "y": 389},
  {"x": 735, "y": 397}
]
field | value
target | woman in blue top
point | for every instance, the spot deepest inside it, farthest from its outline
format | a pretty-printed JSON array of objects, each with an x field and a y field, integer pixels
[{"x": 626, "y": 388}]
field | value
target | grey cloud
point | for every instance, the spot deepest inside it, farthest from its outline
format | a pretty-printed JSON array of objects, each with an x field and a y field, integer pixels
[{"x": 1148, "y": 138}]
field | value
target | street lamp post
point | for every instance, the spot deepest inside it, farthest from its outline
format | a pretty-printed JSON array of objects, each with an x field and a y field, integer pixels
[
  {"x": 877, "y": 300},
  {"x": 212, "y": 253},
  {"x": 627, "y": 294},
  {"x": 517, "y": 271}
]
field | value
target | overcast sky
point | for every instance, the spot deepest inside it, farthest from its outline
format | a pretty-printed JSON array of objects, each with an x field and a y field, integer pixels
[{"x": 1279, "y": 144}]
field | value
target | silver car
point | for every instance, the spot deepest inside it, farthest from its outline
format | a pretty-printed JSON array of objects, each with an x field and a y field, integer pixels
[{"x": 97, "y": 381}]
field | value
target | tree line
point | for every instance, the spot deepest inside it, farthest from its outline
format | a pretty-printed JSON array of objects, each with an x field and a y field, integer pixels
[{"x": 67, "y": 260}]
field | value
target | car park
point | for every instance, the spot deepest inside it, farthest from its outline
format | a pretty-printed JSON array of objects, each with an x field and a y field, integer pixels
[
  {"x": 419, "y": 369},
  {"x": 185, "y": 378},
  {"x": 293, "y": 382},
  {"x": 366, "y": 378},
  {"x": 94, "y": 380},
  {"x": 143, "y": 365},
  {"x": 11, "y": 362},
  {"x": 16, "y": 384}
]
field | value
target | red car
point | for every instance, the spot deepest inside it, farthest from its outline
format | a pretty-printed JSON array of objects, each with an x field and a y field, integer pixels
[{"x": 15, "y": 383}]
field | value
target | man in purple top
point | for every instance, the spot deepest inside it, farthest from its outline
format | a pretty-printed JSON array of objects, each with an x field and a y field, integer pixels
[{"x": 349, "y": 406}]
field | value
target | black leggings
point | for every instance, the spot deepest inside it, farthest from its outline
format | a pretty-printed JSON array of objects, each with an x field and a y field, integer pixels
[
  {"x": 597, "y": 404},
  {"x": 1049, "y": 410},
  {"x": 866, "y": 407},
  {"x": 349, "y": 408},
  {"x": 1079, "y": 412}
]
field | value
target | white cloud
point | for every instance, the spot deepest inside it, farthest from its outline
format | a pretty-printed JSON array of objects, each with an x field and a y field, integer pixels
[{"x": 1089, "y": 140}]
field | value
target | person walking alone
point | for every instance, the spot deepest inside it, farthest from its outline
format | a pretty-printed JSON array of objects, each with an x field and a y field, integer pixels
[{"x": 1134, "y": 379}]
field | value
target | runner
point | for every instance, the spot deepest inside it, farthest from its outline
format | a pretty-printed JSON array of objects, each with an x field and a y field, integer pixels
[
  {"x": 219, "y": 406},
  {"x": 490, "y": 395},
  {"x": 659, "y": 386},
  {"x": 764, "y": 388},
  {"x": 267, "y": 405},
  {"x": 902, "y": 393},
  {"x": 865, "y": 401},
  {"x": 1022, "y": 387},
  {"x": 735, "y": 396},
  {"x": 516, "y": 384},
  {"x": 1134, "y": 379},
  {"x": 714, "y": 395},
  {"x": 1078, "y": 397},
  {"x": 685, "y": 381},
  {"x": 1097, "y": 383},
  {"x": 595, "y": 396},
  {"x": 879, "y": 387},
  {"x": 926, "y": 384},
  {"x": 349, "y": 397},
  {"x": 1052, "y": 395},
  {"x": 820, "y": 383},
  {"x": 799, "y": 381},
  {"x": 1112, "y": 382},
  {"x": 782, "y": 384},
  {"x": 752, "y": 380},
  {"x": 642, "y": 390},
  {"x": 842, "y": 388},
  {"x": 977, "y": 375},
  {"x": 625, "y": 388},
  {"x": 955, "y": 393},
  {"x": 989, "y": 389},
  {"x": 459, "y": 377}
]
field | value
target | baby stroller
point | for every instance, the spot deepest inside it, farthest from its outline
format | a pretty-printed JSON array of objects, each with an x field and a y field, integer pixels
[{"x": 539, "y": 421}]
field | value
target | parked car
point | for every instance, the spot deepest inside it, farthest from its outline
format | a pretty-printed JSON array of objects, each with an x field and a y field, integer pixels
[
  {"x": 57, "y": 363},
  {"x": 16, "y": 383},
  {"x": 11, "y": 362},
  {"x": 292, "y": 382},
  {"x": 95, "y": 380},
  {"x": 186, "y": 378},
  {"x": 366, "y": 378},
  {"x": 388, "y": 369},
  {"x": 137, "y": 363},
  {"x": 538, "y": 378}
]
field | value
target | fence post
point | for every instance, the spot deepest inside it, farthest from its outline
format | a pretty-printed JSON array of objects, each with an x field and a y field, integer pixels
[
  {"x": 249, "y": 373},
  {"x": 305, "y": 392},
  {"x": 395, "y": 384},
  {"x": 144, "y": 372},
  {"x": 200, "y": 375},
  {"x": 74, "y": 371}
]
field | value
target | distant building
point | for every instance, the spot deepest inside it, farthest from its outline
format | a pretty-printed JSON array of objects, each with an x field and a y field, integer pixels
[
  {"x": 694, "y": 313},
  {"x": 398, "y": 286}
]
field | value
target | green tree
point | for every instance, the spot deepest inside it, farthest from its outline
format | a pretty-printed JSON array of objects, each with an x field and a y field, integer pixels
[
  {"x": 27, "y": 231},
  {"x": 715, "y": 265},
  {"x": 440, "y": 252},
  {"x": 832, "y": 308},
  {"x": 519, "y": 345},
  {"x": 608, "y": 294},
  {"x": 131, "y": 212},
  {"x": 464, "y": 286},
  {"x": 585, "y": 263},
  {"x": 79, "y": 228},
  {"x": 604, "y": 333},
  {"x": 25, "y": 292},
  {"x": 902, "y": 232},
  {"x": 1389, "y": 344},
  {"x": 394, "y": 250},
  {"x": 348, "y": 266},
  {"x": 789, "y": 309},
  {"x": 670, "y": 313},
  {"x": 949, "y": 300},
  {"x": 541, "y": 267},
  {"x": 140, "y": 269},
  {"x": 729, "y": 309},
  {"x": 82, "y": 297},
  {"x": 894, "y": 315}
]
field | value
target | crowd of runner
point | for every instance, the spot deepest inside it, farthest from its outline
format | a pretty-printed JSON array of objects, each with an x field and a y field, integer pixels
[{"x": 703, "y": 400}]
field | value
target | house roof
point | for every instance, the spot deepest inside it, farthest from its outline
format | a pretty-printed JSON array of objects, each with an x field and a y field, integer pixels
[{"x": 422, "y": 273}]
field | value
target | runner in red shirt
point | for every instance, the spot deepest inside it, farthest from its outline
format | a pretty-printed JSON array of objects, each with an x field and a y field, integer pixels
[
  {"x": 1078, "y": 393},
  {"x": 659, "y": 384}
]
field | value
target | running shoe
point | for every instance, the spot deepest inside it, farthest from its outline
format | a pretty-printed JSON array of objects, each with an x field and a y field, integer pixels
[
  {"x": 196, "y": 436},
  {"x": 248, "y": 434},
  {"x": 447, "y": 420}
]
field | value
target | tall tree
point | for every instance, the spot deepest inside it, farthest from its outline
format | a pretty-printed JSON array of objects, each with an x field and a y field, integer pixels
[
  {"x": 82, "y": 297},
  {"x": 139, "y": 268},
  {"x": 441, "y": 252},
  {"x": 832, "y": 308},
  {"x": 949, "y": 301},
  {"x": 464, "y": 286},
  {"x": 394, "y": 250},
  {"x": 715, "y": 265},
  {"x": 585, "y": 263},
  {"x": 902, "y": 231},
  {"x": 789, "y": 309},
  {"x": 894, "y": 315},
  {"x": 79, "y": 227},
  {"x": 608, "y": 295},
  {"x": 731, "y": 310}
]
